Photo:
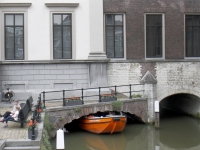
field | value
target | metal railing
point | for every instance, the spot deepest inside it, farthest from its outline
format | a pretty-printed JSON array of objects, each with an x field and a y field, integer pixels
[{"x": 82, "y": 96}]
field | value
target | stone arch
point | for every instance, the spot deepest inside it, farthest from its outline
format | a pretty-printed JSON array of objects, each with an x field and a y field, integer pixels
[
  {"x": 183, "y": 102},
  {"x": 64, "y": 115}
]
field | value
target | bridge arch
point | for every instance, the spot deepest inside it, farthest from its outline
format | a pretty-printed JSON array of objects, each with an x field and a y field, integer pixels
[
  {"x": 186, "y": 103},
  {"x": 60, "y": 116}
]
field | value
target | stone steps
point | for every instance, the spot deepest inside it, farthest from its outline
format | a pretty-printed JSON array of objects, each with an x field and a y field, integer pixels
[
  {"x": 22, "y": 145},
  {"x": 23, "y": 148}
]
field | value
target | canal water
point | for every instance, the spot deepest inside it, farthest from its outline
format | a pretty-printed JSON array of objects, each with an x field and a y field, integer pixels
[{"x": 176, "y": 132}]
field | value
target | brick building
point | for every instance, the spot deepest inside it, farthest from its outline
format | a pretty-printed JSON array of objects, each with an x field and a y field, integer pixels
[{"x": 104, "y": 42}]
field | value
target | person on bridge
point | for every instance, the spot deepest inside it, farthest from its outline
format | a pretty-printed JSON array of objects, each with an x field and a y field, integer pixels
[{"x": 7, "y": 113}]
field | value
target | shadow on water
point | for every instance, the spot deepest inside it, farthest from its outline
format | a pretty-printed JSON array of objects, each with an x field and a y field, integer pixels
[
  {"x": 179, "y": 131},
  {"x": 78, "y": 139}
]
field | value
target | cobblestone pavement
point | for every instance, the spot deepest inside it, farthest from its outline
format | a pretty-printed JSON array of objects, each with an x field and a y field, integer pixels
[{"x": 13, "y": 131}]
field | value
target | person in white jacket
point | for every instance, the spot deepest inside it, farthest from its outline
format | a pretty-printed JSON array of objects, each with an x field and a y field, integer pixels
[
  {"x": 7, "y": 113},
  {"x": 11, "y": 116}
]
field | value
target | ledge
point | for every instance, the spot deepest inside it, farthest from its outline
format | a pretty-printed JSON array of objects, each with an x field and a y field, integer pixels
[
  {"x": 15, "y": 4},
  {"x": 61, "y": 4},
  {"x": 54, "y": 61}
]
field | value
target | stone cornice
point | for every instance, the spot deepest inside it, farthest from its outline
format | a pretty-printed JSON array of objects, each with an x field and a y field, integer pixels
[
  {"x": 61, "y": 4},
  {"x": 15, "y": 4}
]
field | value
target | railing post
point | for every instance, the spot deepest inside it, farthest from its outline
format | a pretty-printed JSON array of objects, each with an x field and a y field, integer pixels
[
  {"x": 115, "y": 90},
  {"x": 130, "y": 92},
  {"x": 63, "y": 97},
  {"x": 82, "y": 95},
  {"x": 33, "y": 126},
  {"x": 44, "y": 99},
  {"x": 99, "y": 94}
]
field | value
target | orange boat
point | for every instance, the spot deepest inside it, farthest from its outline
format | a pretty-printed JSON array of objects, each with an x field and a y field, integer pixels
[{"x": 109, "y": 124}]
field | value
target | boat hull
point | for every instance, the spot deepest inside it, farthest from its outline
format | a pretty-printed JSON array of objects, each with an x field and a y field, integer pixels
[{"x": 103, "y": 125}]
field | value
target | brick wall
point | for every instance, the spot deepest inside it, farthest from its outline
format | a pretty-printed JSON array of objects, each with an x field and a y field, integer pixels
[{"x": 174, "y": 11}]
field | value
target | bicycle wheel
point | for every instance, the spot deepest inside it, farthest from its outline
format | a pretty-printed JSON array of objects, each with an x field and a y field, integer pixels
[{"x": 12, "y": 94}]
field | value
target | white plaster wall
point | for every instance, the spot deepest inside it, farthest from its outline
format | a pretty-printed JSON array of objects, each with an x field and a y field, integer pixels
[
  {"x": 88, "y": 27},
  {"x": 174, "y": 78}
]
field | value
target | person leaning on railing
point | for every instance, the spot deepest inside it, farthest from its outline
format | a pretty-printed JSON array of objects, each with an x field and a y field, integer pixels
[{"x": 7, "y": 113}]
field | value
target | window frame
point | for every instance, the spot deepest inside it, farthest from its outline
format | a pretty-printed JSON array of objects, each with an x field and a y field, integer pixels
[
  {"x": 13, "y": 10},
  {"x": 61, "y": 34},
  {"x": 163, "y": 36},
  {"x": 123, "y": 35},
  {"x": 14, "y": 26},
  {"x": 62, "y": 10},
  {"x": 185, "y": 47}
]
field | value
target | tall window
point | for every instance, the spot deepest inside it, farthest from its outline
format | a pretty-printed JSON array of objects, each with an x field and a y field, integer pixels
[
  {"x": 114, "y": 36},
  {"x": 154, "y": 36},
  {"x": 192, "y": 28},
  {"x": 62, "y": 36},
  {"x": 14, "y": 36}
]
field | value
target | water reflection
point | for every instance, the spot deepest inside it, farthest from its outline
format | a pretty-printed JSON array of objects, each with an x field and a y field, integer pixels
[{"x": 177, "y": 133}]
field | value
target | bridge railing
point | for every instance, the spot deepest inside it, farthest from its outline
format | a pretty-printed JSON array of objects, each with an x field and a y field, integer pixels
[{"x": 63, "y": 95}]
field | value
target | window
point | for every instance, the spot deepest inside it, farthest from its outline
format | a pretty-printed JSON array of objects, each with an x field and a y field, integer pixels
[
  {"x": 114, "y": 36},
  {"x": 154, "y": 33},
  {"x": 14, "y": 36},
  {"x": 62, "y": 36},
  {"x": 192, "y": 42}
]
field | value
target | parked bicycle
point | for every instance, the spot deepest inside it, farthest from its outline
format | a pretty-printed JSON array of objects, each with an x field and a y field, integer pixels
[{"x": 9, "y": 95}]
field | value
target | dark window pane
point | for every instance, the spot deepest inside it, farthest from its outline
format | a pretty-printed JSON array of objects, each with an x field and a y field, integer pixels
[
  {"x": 110, "y": 52},
  {"x": 110, "y": 41},
  {"x": 118, "y": 20},
  {"x": 109, "y": 31},
  {"x": 14, "y": 37},
  {"x": 19, "y": 53},
  {"x": 58, "y": 53},
  {"x": 109, "y": 19},
  {"x": 19, "y": 20},
  {"x": 192, "y": 35},
  {"x": 66, "y": 19},
  {"x": 119, "y": 53},
  {"x": 62, "y": 36},
  {"x": 154, "y": 36},
  {"x": 67, "y": 52},
  {"x": 57, "y": 19},
  {"x": 10, "y": 53},
  {"x": 114, "y": 36},
  {"x": 10, "y": 20},
  {"x": 67, "y": 37}
]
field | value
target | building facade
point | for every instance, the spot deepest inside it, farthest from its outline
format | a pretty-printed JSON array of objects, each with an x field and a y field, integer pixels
[{"x": 68, "y": 44}]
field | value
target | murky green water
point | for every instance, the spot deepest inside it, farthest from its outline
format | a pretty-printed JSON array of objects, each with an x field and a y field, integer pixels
[{"x": 175, "y": 133}]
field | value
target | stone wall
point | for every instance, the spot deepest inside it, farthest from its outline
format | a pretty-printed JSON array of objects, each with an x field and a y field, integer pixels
[
  {"x": 31, "y": 79},
  {"x": 177, "y": 77}
]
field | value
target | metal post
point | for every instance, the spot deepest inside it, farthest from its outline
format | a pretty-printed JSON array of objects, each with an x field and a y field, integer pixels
[
  {"x": 130, "y": 92},
  {"x": 99, "y": 94},
  {"x": 44, "y": 99},
  {"x": 63, "y": 97},
  {"x": 33, "y": 126},
  {"x": 82, "y": 95},
  {"x": 115, "y": 90}
]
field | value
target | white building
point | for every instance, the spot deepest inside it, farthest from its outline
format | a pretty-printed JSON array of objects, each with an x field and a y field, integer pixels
[{"x": 51, "y": 44}]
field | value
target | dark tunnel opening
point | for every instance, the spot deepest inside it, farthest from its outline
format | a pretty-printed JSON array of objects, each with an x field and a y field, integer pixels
[
  {"x": 180, "y": 105},
  {"x": 178, "y": 121}
]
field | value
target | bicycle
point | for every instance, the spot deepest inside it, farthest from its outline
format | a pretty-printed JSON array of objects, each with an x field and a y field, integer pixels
[{"x": 9, "y": 95}]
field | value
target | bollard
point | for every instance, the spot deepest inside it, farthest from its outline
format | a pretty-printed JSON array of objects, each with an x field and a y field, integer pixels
[
  {"x": 60, "y": 141},
  {"x": 157, "y": 114}
]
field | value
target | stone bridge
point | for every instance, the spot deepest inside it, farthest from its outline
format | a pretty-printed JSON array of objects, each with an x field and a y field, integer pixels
[{"x": 60, "y": 116}]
